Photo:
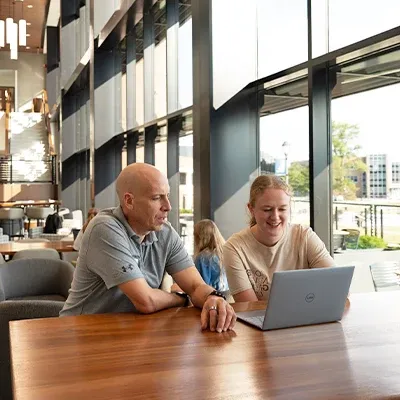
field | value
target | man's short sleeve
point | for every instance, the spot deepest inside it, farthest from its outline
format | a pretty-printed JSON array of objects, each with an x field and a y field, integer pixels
[
  {"x": 108, "y": 253},
  {"x": 178, "y": 258}
]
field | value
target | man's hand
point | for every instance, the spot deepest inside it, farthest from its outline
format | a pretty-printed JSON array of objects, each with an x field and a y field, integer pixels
[{"x": 217, "y": 315}]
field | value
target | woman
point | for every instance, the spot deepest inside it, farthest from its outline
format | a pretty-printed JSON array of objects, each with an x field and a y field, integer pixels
[
  {"x": 270, "y": 243},
  {"x": 91, "y": 214},
  {"x": 208, "y": 243}
]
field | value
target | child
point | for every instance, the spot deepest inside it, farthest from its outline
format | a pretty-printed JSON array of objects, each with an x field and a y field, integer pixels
[{"x": 208, "y": 243}]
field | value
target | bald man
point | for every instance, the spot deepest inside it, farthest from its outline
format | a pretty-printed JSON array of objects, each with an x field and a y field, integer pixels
[{"x": 126, "y": 250}]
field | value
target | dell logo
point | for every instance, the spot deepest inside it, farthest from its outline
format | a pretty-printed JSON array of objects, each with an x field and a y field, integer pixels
[{"x": 310, "y": 297}]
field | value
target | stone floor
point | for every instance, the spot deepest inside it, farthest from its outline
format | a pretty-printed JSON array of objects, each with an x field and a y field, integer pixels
[{"x": 362, "y": 259}]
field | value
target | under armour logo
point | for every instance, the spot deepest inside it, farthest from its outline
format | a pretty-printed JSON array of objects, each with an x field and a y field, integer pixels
[{"x": 125, "y": 269}]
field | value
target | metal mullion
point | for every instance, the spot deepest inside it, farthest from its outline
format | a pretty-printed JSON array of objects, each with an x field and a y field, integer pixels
[{"x": 320, "y": 153}]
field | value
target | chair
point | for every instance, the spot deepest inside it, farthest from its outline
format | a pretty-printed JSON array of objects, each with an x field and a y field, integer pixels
[
  {"x": 38, "y": 213},
  {"x": 35, "y": 279},
  {"x": 182, "y": 229},
  {"x": 338, "y": 243},
  {"x": 74, "y": 219},
  {"x": 11, "y": 221},
  {"x": 2, "y": 260},
  {"x": 63, "y": 211},
  {"x": 14, "y": 311},
  {"x": 384, "y": 275},
  {"x": 36, "y": 253},
  {"x": 351, "y": 240}
]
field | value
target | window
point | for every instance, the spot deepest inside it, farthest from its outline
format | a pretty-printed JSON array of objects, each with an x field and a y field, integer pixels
[
  {"x": 282, "y": 35},
  {"x": 140, "y": 148},
  {"x": 364, "y": 116},
  {"x": 185, "y": 62},
  {"x": 186, "y": 181},
  {"x": 139, "y": 90},
  {"x": 284, "y": 132},
  {"x": 160, "y": 59},
  {"x": 355, "y": 20},
  {"x": 161, "y": 149}
]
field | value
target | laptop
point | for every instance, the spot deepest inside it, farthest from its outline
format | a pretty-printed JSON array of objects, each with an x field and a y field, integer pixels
[{"x": 303, "y": 297}]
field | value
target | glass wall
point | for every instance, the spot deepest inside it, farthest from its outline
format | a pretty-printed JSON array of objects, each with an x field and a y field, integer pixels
[
  {"x": 139, "y": 89},
  {"x": 284, "y": 143},
  {"x": 123, "y": 85},
  {"x": 160, "y": 59},
  {"x": 186, "y": 182},
  {"x": 281, "y": 35},
  {"x": 185, "y": 62},
  {"x": 124, "y": 155},
  {"x": 352, "y": 21},
  {"x": 140, "y": 148},
  {"x": 161, "y": 149},
  {"x": 365, "y": 160}
]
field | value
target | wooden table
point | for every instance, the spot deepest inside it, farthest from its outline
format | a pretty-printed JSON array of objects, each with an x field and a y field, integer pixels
[
  {"x": 10, "y": 248},
  {"x": 167, "y": 356},
  {"x": 29, "y": 203}
]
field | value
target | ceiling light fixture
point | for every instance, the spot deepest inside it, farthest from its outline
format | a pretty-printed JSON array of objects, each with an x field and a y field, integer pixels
[
  {"x": 14, "y": 42},
  {"x": 2, "y": 31},
  {"x": 13, "y": 33},
  {"x": 9, "y": 22},
  {"x": 22, "y": 28},
  {"x": 2, "y": 35},
  {"x": 30, "y": 6}
]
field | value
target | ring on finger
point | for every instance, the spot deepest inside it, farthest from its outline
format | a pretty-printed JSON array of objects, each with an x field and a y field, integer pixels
[{"x": 212, "y": 308}]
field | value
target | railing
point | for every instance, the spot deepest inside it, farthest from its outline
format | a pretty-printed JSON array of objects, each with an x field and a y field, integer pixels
[
  {"x": 38, "y": 104},
  {"x": 370, "y": 218},
  {"x": 374, "y": 219},
  {"x": 14, "y": 170}
]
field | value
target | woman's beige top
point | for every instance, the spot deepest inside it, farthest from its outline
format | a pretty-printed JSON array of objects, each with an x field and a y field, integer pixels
[{"x": 250, "y": 264}]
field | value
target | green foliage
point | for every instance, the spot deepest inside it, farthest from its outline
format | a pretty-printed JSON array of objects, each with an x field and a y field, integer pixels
[
  {"x": 371, "y": 242},
  {"x": 345, "y": 159},
  {"x": 299, "y": 179},
  {"x": 185, "y": 211}
]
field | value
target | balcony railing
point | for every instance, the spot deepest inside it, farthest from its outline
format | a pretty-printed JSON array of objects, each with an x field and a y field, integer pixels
[{"x": 13, "y": 170}]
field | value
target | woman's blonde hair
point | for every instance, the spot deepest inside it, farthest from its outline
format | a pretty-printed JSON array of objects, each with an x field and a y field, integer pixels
[
  {"x": 208, "y": 237},
  {"x": 262, "y": 183},
  {"x": 91, "y": 214}
]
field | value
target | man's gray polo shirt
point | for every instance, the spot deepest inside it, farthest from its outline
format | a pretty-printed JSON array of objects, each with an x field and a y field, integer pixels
[{"x": 111, "y": 254}]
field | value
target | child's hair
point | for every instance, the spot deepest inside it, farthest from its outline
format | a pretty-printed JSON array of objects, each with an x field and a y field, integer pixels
[
  {"x": 263, "y": 182},
  {"x": 91, "y": 214},
  {"x": 208, "y": 237}
]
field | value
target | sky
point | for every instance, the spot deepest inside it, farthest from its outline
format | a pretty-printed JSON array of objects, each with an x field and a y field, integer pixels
[{"x": 376, "y": 112}]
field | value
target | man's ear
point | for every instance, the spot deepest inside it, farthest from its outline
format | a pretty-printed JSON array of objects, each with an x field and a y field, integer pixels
[{"x": 129, "y": 200}]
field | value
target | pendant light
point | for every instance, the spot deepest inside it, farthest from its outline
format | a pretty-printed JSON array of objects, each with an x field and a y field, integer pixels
[
  {"x": 14, "y": 42},
  {"x": 22, "y": 28},
  {"x": 9, "y": 22},
  {"x": 14, "y": 36},
  {"x": 2, "y": 31}
]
